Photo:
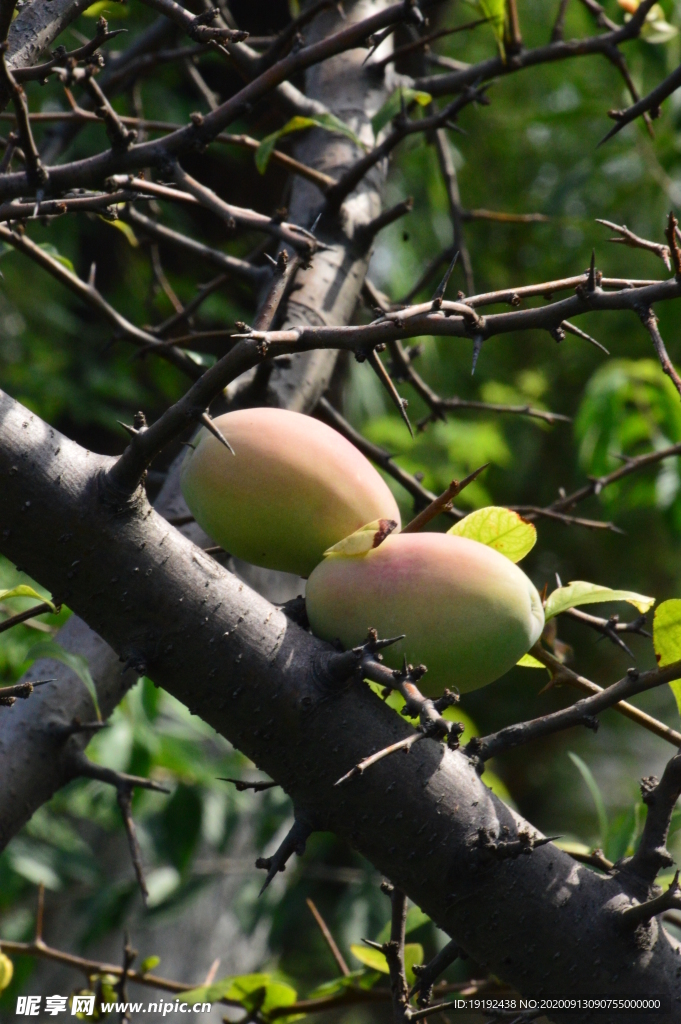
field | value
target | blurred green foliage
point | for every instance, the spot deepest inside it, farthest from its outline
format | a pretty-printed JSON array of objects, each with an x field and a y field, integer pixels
[{"x": 532, "y": 149}]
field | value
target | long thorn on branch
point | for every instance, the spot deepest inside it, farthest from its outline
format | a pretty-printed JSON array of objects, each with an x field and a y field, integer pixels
[
  {"x": 641, "y": 913},
  {"x": 384, "y": 377},
  {"x": 240, "y": 785}
]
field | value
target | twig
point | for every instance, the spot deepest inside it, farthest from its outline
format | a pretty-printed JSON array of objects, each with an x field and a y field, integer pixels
[
  {"x": 595, "y": 859},
  {"x": 38, "y": 609},
  {"x": 610, "y": 628},
  {"x": 558, "y": 30},
  {"x": 584, "y": 712},
  {"x": 20, "y": 691},
  {"x": 442, "y": 502},
  {"x": 427, "y": 974},
  {"x": 295, "y": 236},
  {"x": 36, "y": 174},
  {"x": 62, "y": 57},
  {"x": 89, "y": 293},
  {"x": 221, "y": 260},
  {"x": 448, "y": 171},
  {"x": 378, "y": 455},
  {"x": 329, "y": 939},
  {"x": 404, "y": 744},
  {"x": 561, "y": 674},
  {"x": 82, "y": 767},
  {"x": 649, "y": 321},
  {"x": 384, "y": 377},
  {"x": 627, "y": 237},
  {"x": 651, "y": 103},
  {"x": 195, "y": 26}
]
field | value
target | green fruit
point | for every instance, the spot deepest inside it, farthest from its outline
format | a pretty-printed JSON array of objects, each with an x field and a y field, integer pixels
[
  {"x": 293, "y": 488},
  {"x": 468, "y": 612}
]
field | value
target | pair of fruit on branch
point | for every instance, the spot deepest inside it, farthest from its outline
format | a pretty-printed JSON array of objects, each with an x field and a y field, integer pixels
[{"x": 297, "y": 496}]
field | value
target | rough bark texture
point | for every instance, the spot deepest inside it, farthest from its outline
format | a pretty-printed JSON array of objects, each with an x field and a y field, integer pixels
[{"x": 263, "y": 683}]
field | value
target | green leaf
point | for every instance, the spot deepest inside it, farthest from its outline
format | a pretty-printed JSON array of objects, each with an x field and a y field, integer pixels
[
  {"x": 124, "y": 228},
  {"x": 24, "y": 591},
  {"x": 667, "y": 640},
  {"x": 415, "y": 918},
  {"x": 596, "y": 796},
  {"x": 413, "y": 954},
  {"x": 527, "y": 661},
  {"x": 76, "y": 662},
  {"x": 498, "y": 528},
  {"x": 656, "y": 28},
  {"x": 149, "y": 963},
  {"x": 329, "y": 988},
  {"x": 252, "y": 991},
  {"x": 111, "y": 8},
  {"x": 329, "y": 122},
  {"x": 370, "y": 957},
  {"x": 579, "y": 592},
  {"x": 52, "y": 251},
  {"x": 393, "y": 105},
  {"x": 495, "y": 12}
]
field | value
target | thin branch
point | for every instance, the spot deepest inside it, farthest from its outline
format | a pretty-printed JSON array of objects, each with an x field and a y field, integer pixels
[
  {"x": 424, "y": 41},
  {"x": 427, "y": 974},
  {"x": 627, "y": 237},
  {"x": 402, "y": 128},
  {"x": 14, "y": 620},
  {"x": 329, "y": 939},
  {"x": 650, "y": 103},
  {"x": 89, "y": 293},
  {"x": 20, "y": 691},
  {"x": 441, "y": 503},
  {"x": 61, "y": 58},
  {"x": 216, "y": 258},
  {"x": 649, "y": 321},
  {"x": 197, "y": 27},
  {"x": 378, "y": 455},
  {"x": 584, "y": 712},
  {"x": 448, "y": 171},
  {"x": 36, "y": 175},
  {"x": 562, "y": 675},
  {"x": 294, "y": 235},
  {"x": 558, "y": 30},
  {"x": 257, "y": 787},
  {"x": 610, "y": 628}
]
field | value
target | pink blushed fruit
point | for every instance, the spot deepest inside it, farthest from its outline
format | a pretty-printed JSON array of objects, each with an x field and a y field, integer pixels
[
  {"x": 468, "y": 612},
  {"x": 293, "y": 488}
]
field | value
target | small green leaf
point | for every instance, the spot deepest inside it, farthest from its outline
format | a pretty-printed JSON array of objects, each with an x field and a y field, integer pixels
[
  {"x": 329, "y": 988},
  {"x": 24, "y": 591},
  {"x": 329, "y": 122},
  {"x": 495, "y": 12},
  {"x": 498, "y": 528},
  {"x": 370, "y": 957},
  {"x": 667, "y": 640},
  {"x": 596, "y": 796},
  {"x": 255, "y": 992},
  {"x": 579, "y": 592},
  {"x": 112, "y": 9},
  {"x": 413, "y": 954},
  {"x": 52, "y": 251},
  {"x": 393, "y": 105},
  {"x": 149, "y": 963},
  {"x": 527, "y": 661},
  {"x": 76, "y": 662},
  {"x": 124, "y": 228}
]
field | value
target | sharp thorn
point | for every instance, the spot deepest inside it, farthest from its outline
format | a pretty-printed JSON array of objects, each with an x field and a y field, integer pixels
[
  {"x": 130, "y": 430},
  {"x": 442, "y": 287},
  {"x": 215, "y": 431},
  {"x": 477, "y": 346},
  {"x": 384, "y": 377}
]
